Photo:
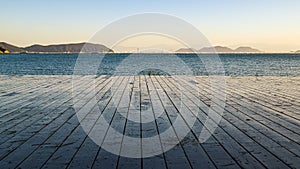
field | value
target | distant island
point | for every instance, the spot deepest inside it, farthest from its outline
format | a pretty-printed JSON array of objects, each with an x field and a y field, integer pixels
[
  {"x": 85, "y": 47},
  {"x": 219, "y": 49},
  {"x": 57, "y": 48}
]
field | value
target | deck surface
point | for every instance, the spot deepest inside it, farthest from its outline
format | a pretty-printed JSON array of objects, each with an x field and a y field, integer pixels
[{"x": 260, "y": 127}]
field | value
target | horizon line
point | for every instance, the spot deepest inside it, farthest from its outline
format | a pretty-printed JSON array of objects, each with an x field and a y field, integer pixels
[{"x": 214, "y": 46}]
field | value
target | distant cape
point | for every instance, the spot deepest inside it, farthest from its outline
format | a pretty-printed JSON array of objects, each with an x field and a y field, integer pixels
[
  {"x": 58, "y": 48},
  {"x": 219, "y": 49}
]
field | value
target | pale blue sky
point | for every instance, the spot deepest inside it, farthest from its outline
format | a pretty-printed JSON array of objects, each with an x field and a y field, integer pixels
[{"x": 270, "y": 25}]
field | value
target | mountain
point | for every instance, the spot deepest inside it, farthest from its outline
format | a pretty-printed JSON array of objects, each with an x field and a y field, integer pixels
[
  {"x": 68, "y": 48},
  {"x": 58, "y": 48},
  {"x": 185, "y": 50},
  {"x": 245, "y": 49},
  {"x": 220, "y": 49},
  {"x": 11, "y": 48}
]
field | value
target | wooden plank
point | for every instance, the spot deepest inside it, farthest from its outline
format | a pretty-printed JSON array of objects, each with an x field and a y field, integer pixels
[
  {"x": 36, "y": 138},
  {"x": 59, "y": 133},
  {"x": 63, "y": 156},
  {"x": 88, "y": 149},
  {"x": 20, "y": 86},
  {"x": 132, "y": 128},
  {"x": 27, "y": 93},
  {"x": 150, "y": 126},
  {"x": 18, "y": 140},
  {"x": 175, "y": 157},
  {"x": 283, "y": 87},
  {"x": 237, "y": 123},
  {"x": 220, "y": 157},
  {"x": 108, "y": 138},
  {"x": 268, "y": 100},
  {"x": 39, "y": 128},
  {"x": 26, "y": 111},
  {"x": 18, "y": 109},
  {"x": 274, "y": 130}
]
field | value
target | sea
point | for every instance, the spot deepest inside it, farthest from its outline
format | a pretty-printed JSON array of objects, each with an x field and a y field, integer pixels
[{"x": 231, "y": 64}]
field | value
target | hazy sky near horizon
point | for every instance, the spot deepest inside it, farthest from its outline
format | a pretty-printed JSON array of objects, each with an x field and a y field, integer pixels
[{"x": 269, "y": 25}]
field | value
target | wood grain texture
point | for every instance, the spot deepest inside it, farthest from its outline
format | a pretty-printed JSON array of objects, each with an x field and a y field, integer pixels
[{"x": 39, "y": 127}]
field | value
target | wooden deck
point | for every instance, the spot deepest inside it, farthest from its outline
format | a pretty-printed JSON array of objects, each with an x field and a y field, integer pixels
[{"x": 260, "y": 127}]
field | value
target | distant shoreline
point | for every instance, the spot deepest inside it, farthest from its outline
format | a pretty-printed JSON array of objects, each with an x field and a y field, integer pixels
[
  {"x": 59, "y": 53},
  {"x": 85, "y": 47}
]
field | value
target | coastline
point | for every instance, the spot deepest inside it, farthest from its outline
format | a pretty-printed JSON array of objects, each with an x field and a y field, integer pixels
[{"x": 246, "y": 53}]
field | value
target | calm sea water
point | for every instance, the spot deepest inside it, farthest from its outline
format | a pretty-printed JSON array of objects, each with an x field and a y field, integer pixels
[{"x": 234, "y": 64}]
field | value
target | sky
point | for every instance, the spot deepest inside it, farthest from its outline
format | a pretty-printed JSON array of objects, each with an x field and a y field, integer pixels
[{"x": 269, "y": 25}]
